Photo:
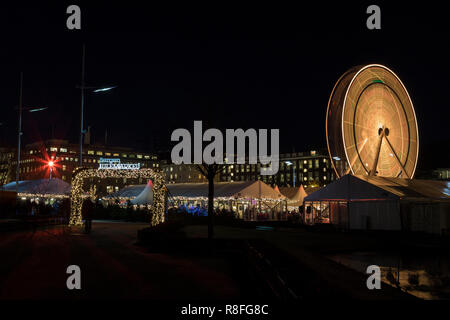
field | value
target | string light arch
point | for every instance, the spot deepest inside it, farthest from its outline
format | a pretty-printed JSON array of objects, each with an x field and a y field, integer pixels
[{"x": 76, "y": 199}]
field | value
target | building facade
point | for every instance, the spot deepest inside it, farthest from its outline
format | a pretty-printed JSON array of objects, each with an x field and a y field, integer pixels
[
  {"x": 36, "y": 159},
  {"x": 312, "y": 168}
]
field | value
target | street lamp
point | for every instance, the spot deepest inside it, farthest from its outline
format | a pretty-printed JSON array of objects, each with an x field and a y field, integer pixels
[
  {"x": 289, "y": 163},
  {"x": 84, "y": 87},
  {"x": 19, "y": 131},
  {"x": 51, "y": 164}
]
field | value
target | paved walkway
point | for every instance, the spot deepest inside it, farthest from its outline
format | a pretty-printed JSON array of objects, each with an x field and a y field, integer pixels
[
  {"x": 309, "y": 248},
  {"x": 33, "y": 265}
]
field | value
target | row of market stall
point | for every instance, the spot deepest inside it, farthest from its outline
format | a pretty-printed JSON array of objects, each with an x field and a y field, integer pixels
[
  {"x": 351, "y": 202},
  {"x": 250, "y": 200}
]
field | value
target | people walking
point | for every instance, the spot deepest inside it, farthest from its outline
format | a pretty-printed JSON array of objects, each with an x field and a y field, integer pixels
[{"x": 87, "y": 212}]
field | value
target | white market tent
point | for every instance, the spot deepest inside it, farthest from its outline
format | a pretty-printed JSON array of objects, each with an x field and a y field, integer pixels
[
  {"x": 42, "y": 188},
  {"x": 226, "y": 190},
  {"x": 249, "y": 200},
  {"x": 381, "y": 203},
  {"x": 234, "y": 190},
  {"x": 146, "y": 196},
  {"x": 234, "y": 196},
  {"x": 295, "y": 195}
]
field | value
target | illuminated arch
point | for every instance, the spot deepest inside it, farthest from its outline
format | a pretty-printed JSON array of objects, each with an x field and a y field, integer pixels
[{"x": 76, "y": 199}]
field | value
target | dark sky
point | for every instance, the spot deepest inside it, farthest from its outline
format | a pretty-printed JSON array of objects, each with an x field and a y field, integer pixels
[{"x": 258, "y": 66}]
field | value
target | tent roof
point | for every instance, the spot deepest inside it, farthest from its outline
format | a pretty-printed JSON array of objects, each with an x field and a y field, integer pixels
[
  {"x": 412, "y": 188},
  {"x": 40, "y": 187},
  {"x": 295, "y": 195},
  {"x": 131, "y": 191},
  {"x": 351, "y": 187},
  {"x": 241, "y": 189},
  {"x": 146, "y": 196}
]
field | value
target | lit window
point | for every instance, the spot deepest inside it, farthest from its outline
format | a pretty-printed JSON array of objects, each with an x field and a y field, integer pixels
[
  {"x": 115, "y": 154},
  {"x": 54, "y": 149},
  {"x": 139, "y": 156},
  {"x": 64, "y": 167},
  {"x": 90, "y": 151},
  {"x": 147, "y": 157},
  {"x": 62, "y": 149},
  {"x": 99, "y": 153},
  {"x": 107, "y": 154},
  {"x": 124, "y": 155}
]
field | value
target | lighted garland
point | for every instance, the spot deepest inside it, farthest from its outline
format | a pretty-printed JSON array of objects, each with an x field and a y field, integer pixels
[
  {"x": 42, "y": 195},
  {"x": 80, "y": 174}
]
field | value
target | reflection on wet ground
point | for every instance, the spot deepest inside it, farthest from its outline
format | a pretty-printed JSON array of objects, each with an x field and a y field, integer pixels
[{"x": 425, "y": 276}]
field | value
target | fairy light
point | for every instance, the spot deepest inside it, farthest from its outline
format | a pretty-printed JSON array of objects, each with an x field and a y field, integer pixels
[{"x": 77, "y": 194}]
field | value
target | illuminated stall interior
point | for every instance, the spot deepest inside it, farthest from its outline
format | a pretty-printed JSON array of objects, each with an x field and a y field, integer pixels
[
  {"x": 249, "y": 200},
  {"x": 381, "y": 203},
  {"x": 46, "y": 190}
]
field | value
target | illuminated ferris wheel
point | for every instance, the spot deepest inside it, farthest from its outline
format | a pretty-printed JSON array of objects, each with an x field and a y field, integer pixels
[{"x": 371, "y": 125}]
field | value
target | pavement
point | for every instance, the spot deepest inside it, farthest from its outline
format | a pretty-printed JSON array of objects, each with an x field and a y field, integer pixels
[{"x": 33, "y": 266}]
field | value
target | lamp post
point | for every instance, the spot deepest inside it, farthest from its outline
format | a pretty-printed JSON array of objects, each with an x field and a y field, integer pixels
[
  {"x": 19, "y": 131},
  {"x": 83, "y": 87},
  {"x": 289, "y": 163},
  {"x": 51, "y": 165}
]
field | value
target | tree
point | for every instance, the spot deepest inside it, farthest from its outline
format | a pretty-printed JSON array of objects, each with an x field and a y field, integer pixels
[{"x": 209, "y": 171}]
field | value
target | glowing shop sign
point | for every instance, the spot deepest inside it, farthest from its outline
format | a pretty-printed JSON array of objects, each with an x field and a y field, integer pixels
[{"x": 114, "y": 164}]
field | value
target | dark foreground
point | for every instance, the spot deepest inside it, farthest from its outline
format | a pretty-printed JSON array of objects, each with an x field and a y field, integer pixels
[
  {"x": 34, "y": 266},
  {"x": 244, "y": 264}
]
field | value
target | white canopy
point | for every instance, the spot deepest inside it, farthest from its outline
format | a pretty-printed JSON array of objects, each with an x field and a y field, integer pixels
[
  {"x": 247, "y": 189},
  {"x": 295, "y": 195},
  {"x": 240, "y": 189},
  {"x": 351, "y": 187},
  {"x": 41, "y": 187},
  {"x": 146, "y": 196}
]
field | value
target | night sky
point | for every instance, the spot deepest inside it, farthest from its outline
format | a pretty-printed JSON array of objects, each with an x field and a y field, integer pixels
[{"x": 259, "y": 66}]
